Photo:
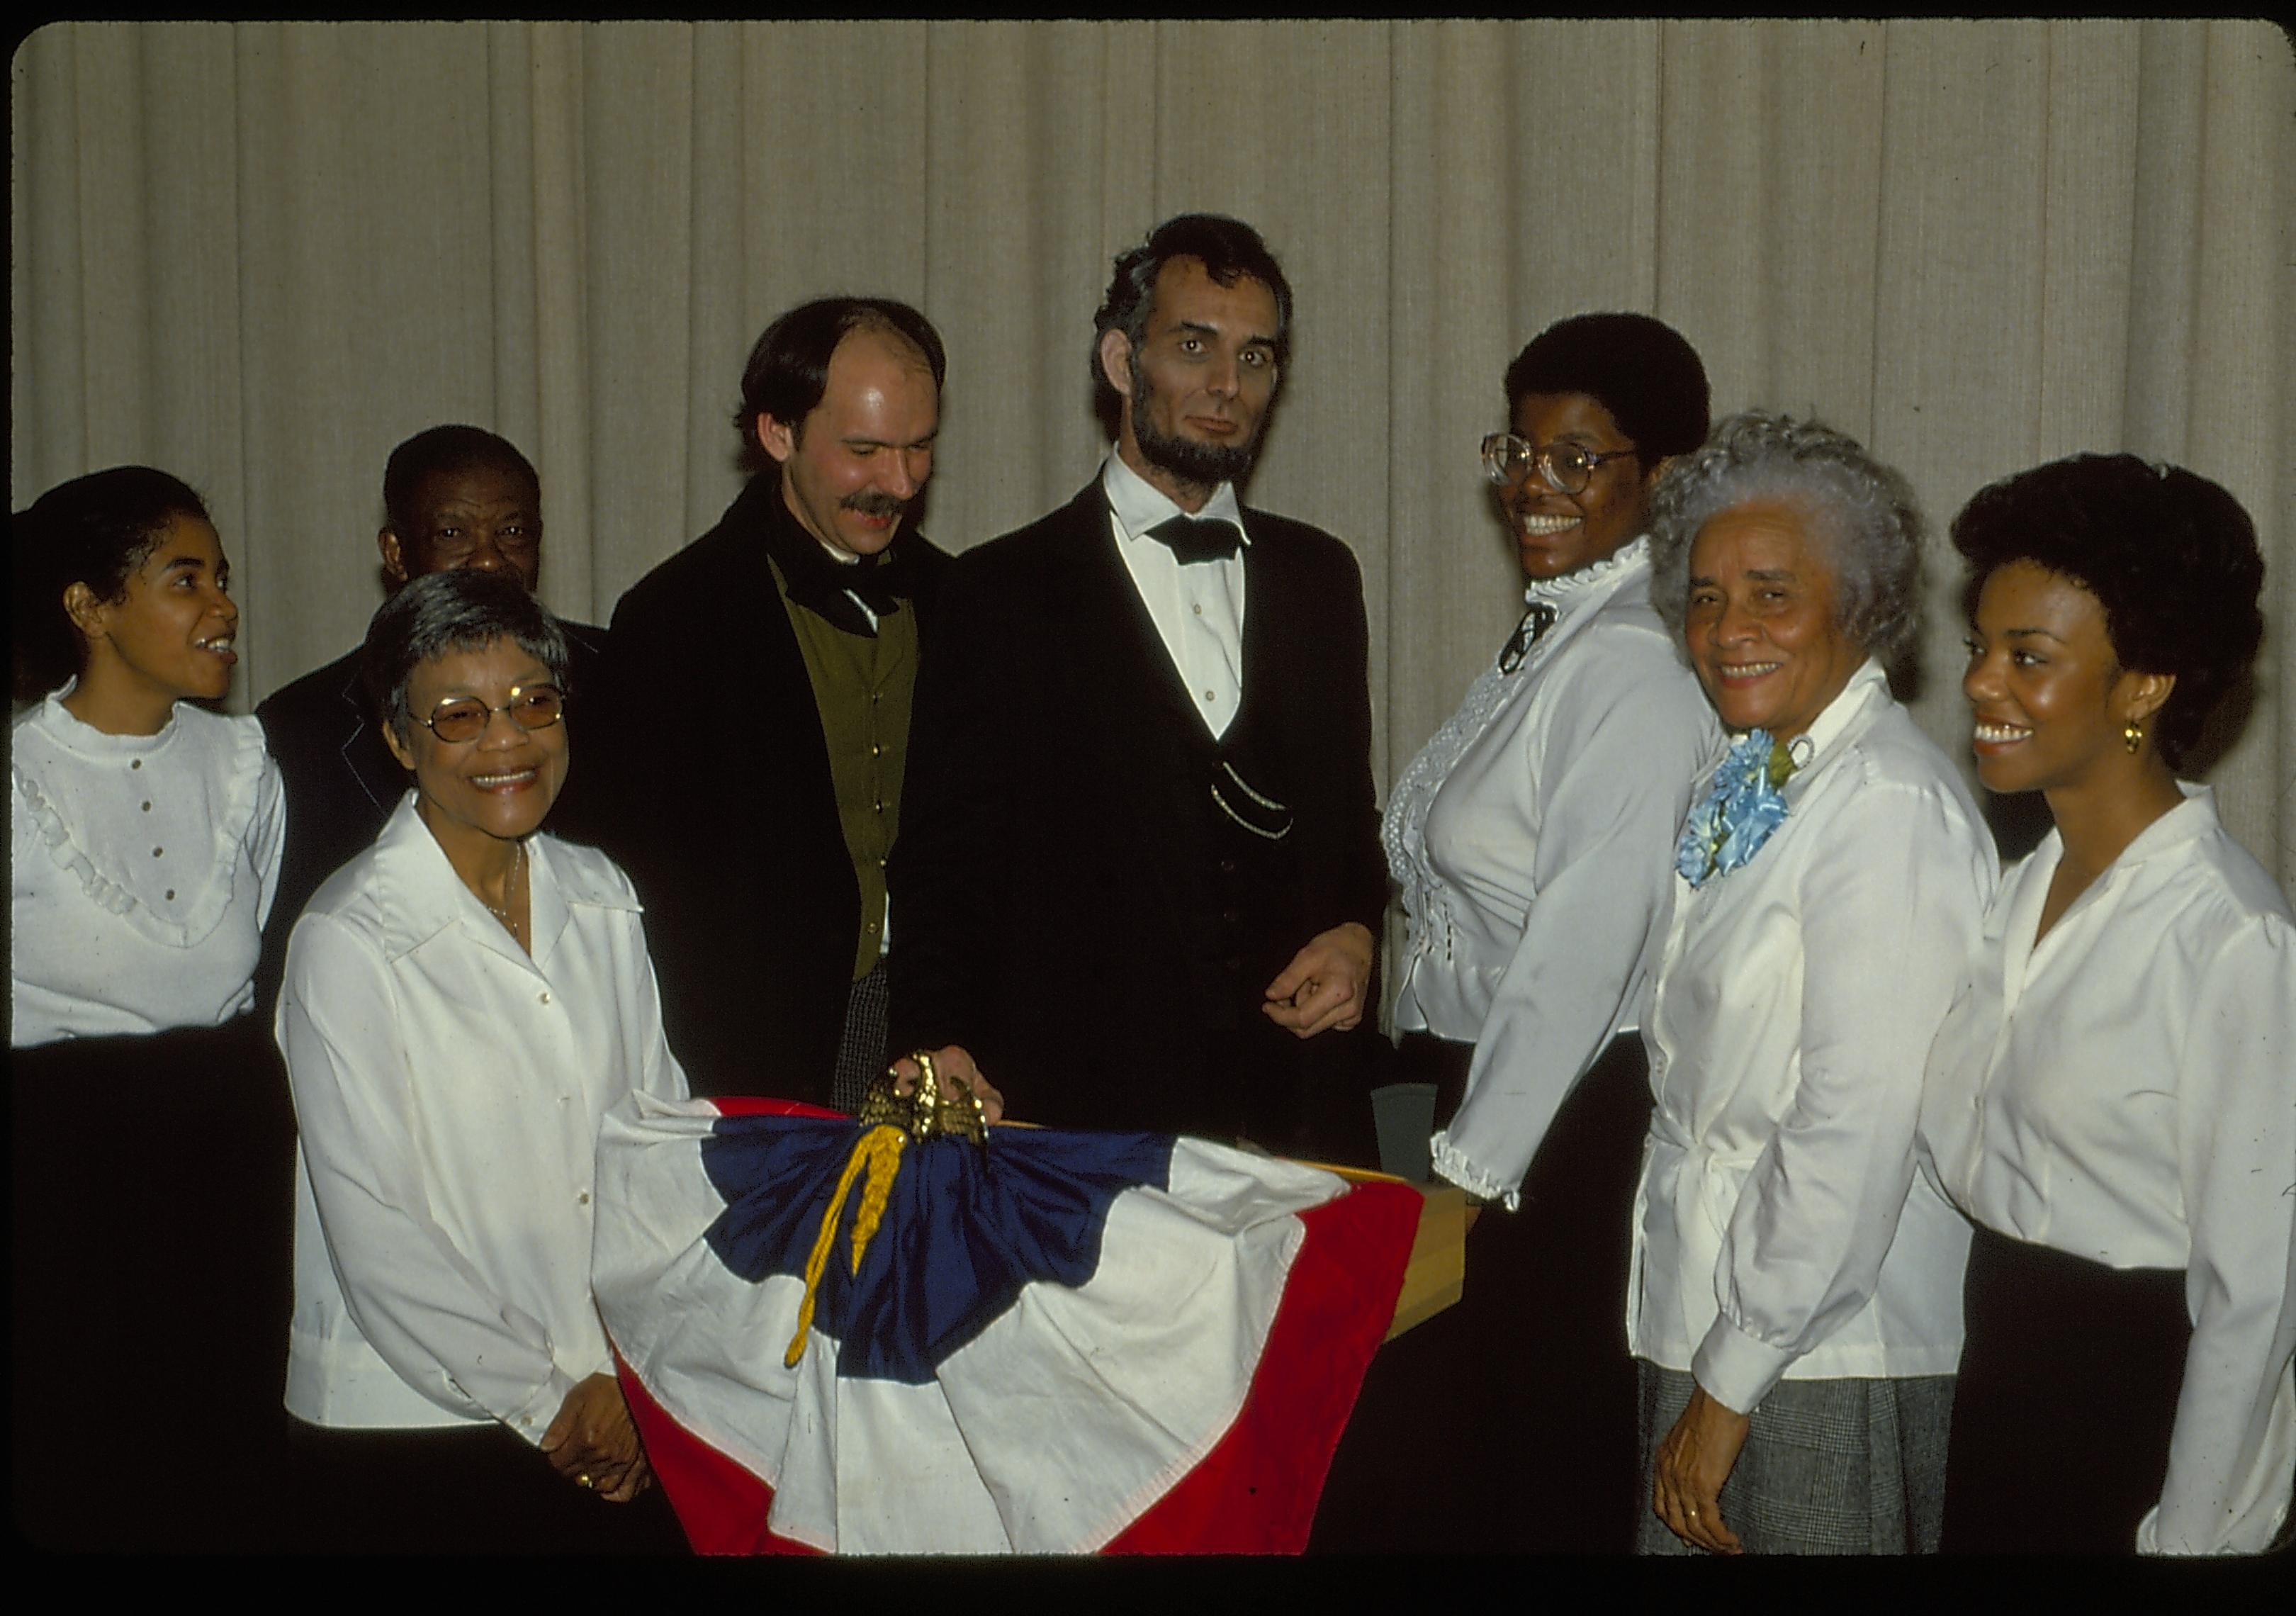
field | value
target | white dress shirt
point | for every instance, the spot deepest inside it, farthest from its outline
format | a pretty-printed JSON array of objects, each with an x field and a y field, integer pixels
[
  {"x": 141, "y": 872},
  {"x": 1198, "y": 609},
  {"x": 1533, "y": 839},
  {"x": 1774, "y": 1235},
  {"x": 448, "y": 1090},
  {"x": 2125, "y": 1091}
]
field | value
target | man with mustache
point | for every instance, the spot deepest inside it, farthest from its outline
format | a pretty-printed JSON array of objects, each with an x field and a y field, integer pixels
[
  {"x": 748, "y": 752},
  {"x": 1139, "y": 877}
]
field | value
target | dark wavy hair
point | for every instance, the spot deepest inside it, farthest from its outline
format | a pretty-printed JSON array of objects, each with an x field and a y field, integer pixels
[
  {"x": 1229, "y": 249},
  {"x": 2170, "y": 556},
  {"x": 443, "y": 613},
  {"x": 1639, "y": 369},
  {"x": 96, "y": 530},
  {"x": 439, "y": 449},
  {"x": 788, "y": 368}
]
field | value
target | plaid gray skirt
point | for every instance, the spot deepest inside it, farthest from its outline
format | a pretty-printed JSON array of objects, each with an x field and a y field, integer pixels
[{"x": 1829, "y": 1467}]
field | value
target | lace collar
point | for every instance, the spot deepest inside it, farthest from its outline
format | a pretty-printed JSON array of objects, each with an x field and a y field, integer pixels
[{"x": 1567, "y": 591}]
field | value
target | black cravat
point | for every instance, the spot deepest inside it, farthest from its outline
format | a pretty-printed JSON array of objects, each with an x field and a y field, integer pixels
[
  {"x": 1536, "y": 620},
  {"x": 1197, "y": 538},
  {"x": 827, "y": 588}
]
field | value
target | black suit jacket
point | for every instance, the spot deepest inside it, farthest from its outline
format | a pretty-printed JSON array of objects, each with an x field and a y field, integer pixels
[
  {"x": 342, "y": 783},
  {"x": 713, "y": 793},
  {"x": 1041, "y": 907}
]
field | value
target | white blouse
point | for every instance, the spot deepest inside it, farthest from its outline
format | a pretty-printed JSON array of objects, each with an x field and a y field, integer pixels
[
  {"x": 448, "y": 1090},
  {"x": 140, "y": 870},
  {"x": 2125, "y": 1091},
  {"x": 1532, "y": 838},
  {"x": 1780, "y": 1230}
]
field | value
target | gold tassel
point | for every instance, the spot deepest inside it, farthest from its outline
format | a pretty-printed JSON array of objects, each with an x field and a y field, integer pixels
[{"x": 878, "y": 1150}]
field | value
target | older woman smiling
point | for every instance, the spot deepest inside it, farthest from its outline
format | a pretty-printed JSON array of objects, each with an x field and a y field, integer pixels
[
  {"x": 1796, "y": 1309},
  {"x": 463, "y": 1002}
]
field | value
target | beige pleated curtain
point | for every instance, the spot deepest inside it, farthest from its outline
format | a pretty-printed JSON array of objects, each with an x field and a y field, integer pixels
[{"x": 260, "y": 255}]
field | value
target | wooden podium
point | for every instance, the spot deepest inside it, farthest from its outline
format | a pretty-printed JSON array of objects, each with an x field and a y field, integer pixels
[{"x": 1436, "y": 1274}]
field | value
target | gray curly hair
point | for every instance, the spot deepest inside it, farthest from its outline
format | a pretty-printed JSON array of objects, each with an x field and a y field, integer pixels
[{"x": 1862, "y": 512}]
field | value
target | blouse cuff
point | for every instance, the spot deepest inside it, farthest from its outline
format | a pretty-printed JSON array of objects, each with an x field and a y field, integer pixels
[
  {"x": 1452, "y": 1165},
  {"x": 533, "y": 1421},
  {"x": 1736, "y": 1370}
]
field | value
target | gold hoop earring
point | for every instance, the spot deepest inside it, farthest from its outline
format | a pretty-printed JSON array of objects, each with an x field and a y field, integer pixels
[{"x": 2132, "y": 736}]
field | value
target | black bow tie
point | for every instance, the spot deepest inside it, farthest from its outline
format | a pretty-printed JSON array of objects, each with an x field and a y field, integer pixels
[
  {"x": 1536, "y": 621},
  {"x": 1197, "y": 538}
]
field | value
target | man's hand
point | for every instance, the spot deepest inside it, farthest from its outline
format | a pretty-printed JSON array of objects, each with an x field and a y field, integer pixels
[
  {"x": 1694, "y": 1460},
  {"x": 594, "y": 1444},
  {"x": 957, "y": 1073},
  {"x": 1325, "y": 984}
]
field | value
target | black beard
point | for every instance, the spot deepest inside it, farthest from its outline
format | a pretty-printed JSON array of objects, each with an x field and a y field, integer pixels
[{"x": 1205, "y": 464}]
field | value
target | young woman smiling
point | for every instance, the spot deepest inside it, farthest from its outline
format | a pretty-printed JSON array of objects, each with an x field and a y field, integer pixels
[
  {"x": 151, "y": 1133},
  {"x": 2112, "y": 1099}
]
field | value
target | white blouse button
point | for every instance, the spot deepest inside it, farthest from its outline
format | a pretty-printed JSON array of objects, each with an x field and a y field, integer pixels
[{"x": 546, "y": 998}]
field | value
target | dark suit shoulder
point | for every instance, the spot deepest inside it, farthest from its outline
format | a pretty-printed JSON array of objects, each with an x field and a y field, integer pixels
[
  {"x": 695, "y": 572},
  {"x": 316, "y": 697},
  {"x": 1302, "y": 538},
  {"x": 1049, "y": 537}
]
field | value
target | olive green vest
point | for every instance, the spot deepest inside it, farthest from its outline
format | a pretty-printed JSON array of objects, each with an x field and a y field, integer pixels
[{"x": 861, "y": 687}]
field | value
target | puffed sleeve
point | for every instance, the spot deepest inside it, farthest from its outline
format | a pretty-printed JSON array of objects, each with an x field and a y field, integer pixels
[
  {"x": 1889, "y": 913},
  {"x": 266, "y": 835},
  {"x": 1619, "y": 768},
  {"x": 412, "y": 1295},
  {"x": 2233, "y": 1449}
]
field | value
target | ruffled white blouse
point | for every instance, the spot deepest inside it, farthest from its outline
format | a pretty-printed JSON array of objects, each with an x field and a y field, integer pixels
[
  {"x": 142, "y": 869},
  {"x": 1533, "y": 839}
]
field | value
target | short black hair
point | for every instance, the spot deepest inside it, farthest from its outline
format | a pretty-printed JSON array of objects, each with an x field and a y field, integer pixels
[
  {"x": 96, "y": 530},
  {"x": 2170, "y": 556},
  {"x": 1229, "y": 249},
  {"x": 1641, "y": 370},
  {"x": 788, "y": 368},
  {"x": 441, "y": 449},
  {"x": 443, "y": 613}
]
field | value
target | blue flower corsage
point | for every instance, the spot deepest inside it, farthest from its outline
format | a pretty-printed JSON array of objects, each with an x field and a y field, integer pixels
[{"x": 1741, "y": 808}]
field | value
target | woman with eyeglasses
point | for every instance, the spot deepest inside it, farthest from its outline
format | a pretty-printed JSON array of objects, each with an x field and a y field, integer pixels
[
  {"x": 1532, "y": 838},
  {"x": 463, "y": 1002},
  {"x": 2113, "y": 1098},
  {"x": 150, "y": 1142}
]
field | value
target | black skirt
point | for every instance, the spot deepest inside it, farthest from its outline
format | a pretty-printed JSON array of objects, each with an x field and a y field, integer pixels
[
  {"x": 152, "y": 1216},
  {"x": 457, "y": 1489},
  {"x": 1505, "y": 1423},
  {"x": 2069, "y": 1376}
]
